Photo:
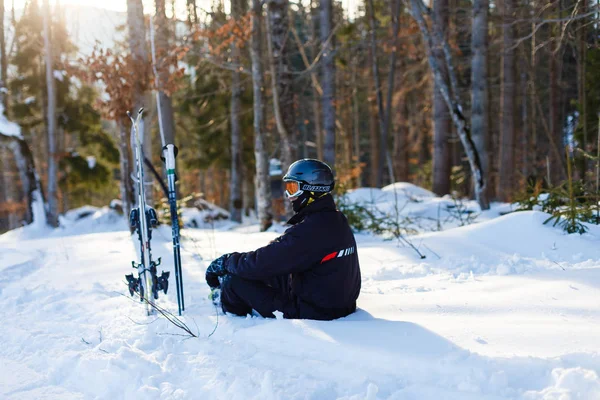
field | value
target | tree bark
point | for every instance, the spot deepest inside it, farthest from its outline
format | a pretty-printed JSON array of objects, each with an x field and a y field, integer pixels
[
  {"x": 235, "y": 192},
  {"x": 442, "y": 162},
  {"x": 479, "y": 87},
  {"x": 314, "y": 23},
  {"x": 374, "y": 147},
  {"x": 281, "y": 78},
  {"x": 555, "y": 129},
  {"x": 52, "y": 210},
  {"x": 139, "y": 52},
  {"x": 9, "y": 194},
  {"x": 27, "y": 173},
  {"x": 396, "y": 7},
  {"x": 162, "y": 46},
  {"x": 125, "y": 165},
  {"x": 263, "y": 187},
  {"x": 3, "y": 63},
  {"x": 401, "y": 142},
  {"x": 356, "y": 121},
  {"x": 328, "y": 67},
  {"x": 192, "y": 13},
  {"x": 582, "y": 96},
  {"x": 508, "y": 110},
  {"x": 383, "y": 156}
]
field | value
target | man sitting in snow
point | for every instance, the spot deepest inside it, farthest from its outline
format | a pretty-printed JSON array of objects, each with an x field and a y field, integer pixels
[{"x": 310, "y": 272}]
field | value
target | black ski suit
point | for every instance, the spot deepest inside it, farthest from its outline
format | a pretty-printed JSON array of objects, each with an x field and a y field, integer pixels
[{"x": 310, "y": 272}]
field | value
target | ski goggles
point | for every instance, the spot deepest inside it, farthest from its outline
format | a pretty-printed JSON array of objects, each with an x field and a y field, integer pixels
[{"x": 292, "y": 188}]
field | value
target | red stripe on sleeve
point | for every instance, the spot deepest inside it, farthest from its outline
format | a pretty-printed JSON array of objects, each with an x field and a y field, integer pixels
[{"x": 329, "y": 257}]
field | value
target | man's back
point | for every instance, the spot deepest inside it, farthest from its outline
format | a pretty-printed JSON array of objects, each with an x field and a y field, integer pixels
[
  {"x": 319, "y": 255},
  {"x": 330, "y": 287}
]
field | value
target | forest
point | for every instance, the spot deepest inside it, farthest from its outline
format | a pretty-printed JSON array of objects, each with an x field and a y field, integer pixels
[{"x": 490, "y": 100}]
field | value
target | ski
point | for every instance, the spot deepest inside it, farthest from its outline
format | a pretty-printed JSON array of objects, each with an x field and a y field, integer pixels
[{"x": 143, "y": 219}]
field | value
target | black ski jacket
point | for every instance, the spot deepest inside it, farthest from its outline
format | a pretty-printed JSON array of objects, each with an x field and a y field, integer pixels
[{"x": 318, "y": 258}]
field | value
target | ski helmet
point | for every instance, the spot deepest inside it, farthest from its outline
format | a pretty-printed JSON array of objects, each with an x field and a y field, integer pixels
[{"x": 308, "y": 175}]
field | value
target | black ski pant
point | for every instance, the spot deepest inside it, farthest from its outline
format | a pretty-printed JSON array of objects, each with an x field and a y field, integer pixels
[{"x": 240, "y": 296}]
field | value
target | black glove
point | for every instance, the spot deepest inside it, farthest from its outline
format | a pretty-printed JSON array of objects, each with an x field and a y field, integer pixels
[{"x": 215, "y": 270}]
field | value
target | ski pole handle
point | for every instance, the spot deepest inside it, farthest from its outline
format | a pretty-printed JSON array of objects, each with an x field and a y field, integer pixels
[{"x": 170, "y": 158}]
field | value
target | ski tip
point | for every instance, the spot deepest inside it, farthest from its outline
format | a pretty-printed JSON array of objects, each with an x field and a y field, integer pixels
[
  {"x": 141, "y": 110},
  {"x": 128, "y": 114}
]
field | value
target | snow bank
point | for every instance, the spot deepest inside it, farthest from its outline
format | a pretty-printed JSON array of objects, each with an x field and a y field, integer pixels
[{"x": 418, "y": 209}]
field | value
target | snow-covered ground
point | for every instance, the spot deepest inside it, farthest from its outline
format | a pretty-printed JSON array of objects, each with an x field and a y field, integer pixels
[{"x": 506, "y": 308}]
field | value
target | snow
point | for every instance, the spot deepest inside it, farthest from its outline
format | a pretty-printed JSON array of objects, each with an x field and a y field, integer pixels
[
  {"x": 7, "y": 127},
  {"x": 505, "y": 308},
  {"x": 275, "y": 167},
  {"x": 60, "y": 75},
  {"x": 91, "y": 160}
]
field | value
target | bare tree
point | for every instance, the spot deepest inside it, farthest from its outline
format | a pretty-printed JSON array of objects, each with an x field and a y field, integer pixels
[
  {"x": 3, "y": 62},
  {"x": 479, "y": 87},
  {"x": 507, "y": 133},
  {"x": 263, "y": 187},
  {"x": 192, "y": 13},
  {"x": 125, "y": 166},
  {"x": 328, "y": 68},
  {"x": 235, "y": 193},
  {"x": 51, "y": 121},
  {"x": 161, "y": 41},
  {"x": 383, "y": 126},
  {"x": 281, "y": 77},
  {"x": 28, "y": 176},
  {"x": 396, "y": 8},
  {"x": 314, "y": 23},
  {"x": 442, "y": 161},
  {"x": 449, "y": 89},
  {"x": 139, "y": 52}
]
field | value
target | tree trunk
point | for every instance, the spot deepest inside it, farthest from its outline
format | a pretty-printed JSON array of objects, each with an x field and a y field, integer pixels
[
  {"x": 533, "y": 142},
  {"x": 281, "y": 78},
  {"x": 379, "y": 96},
  {"x": 555, "y": 128},
  {"x": 442, "y": 162},
  {"x": 52, "y": 209},
  {"x": 356, "y": 121},
  {"x": 582, "y": 97},
  {"x": 3, "y": 63},
  {"x": 401, "y": 142},
  {"x": 235, "y": 192},
  {"x": 374, "y": 147},
  {"x": 139, "y": 52},
  {"x": 125, "y": 165},
  {"x": 165, "y": 108},
  {"x": 451, "y": 98},
  {"x": 508, "y": 111},
  {"x": 9, "y": 194},
  {"x": 263, "y": 187},
  {"x": 281, "y": 82},
  {"x": 314, "y": 23},
  {"x": 396, "y": 7},
  {"x": 328, "y": 67},
  {"x": 192, "y": 13},
  {"x": 479, "y": 88},
  {"x": 27, "y": 173}
]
